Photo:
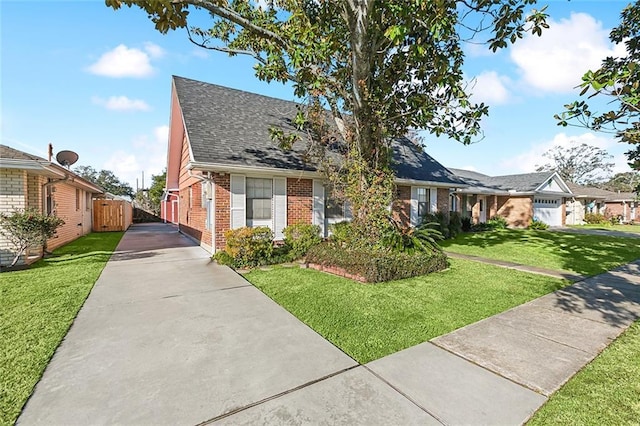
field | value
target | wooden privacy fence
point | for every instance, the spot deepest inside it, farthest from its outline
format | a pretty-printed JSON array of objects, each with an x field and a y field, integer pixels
[{"x": 111, "y": 215}]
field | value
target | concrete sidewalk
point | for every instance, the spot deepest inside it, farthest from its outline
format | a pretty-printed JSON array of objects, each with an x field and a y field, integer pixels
[
  {"x": 566, "y": 275},
  {"x": 168, "y": 337}
]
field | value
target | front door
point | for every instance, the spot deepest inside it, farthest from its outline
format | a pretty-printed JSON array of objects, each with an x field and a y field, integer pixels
[{"x": 482, "y": 204}]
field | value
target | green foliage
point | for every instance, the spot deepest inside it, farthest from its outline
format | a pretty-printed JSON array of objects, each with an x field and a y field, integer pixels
[
  {"x": 380, "y": 67},
  {"x": 497, "y": 222},
  {"x": 28, "y": 228},
  {"x": 467, "y": 224},
  {"x": 440, "y": 221},
  {"x": 342, "y": 233},
  {"x": 105, "y": 179},
  {"x": 156, "y": 190},
  {"x": 300, "y": 237},
  {"x": 595, "y": 218},
  {"x": 538, "y": 225},
  {"x": 375, "y": 265},
  {"x": 455, "y": 224},
  {"x": 246, "y": 247},
  {"x": 616, "y": 81},
  {"x": 407, "y": 239}
]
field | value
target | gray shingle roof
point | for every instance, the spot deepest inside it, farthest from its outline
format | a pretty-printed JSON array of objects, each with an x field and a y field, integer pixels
[
  {"x": 14, "y": 154},
  {"x": 231, "y": 127},
  {"x": 526, "y": 182}
]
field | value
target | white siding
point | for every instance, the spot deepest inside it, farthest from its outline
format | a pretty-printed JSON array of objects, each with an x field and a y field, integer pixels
[
  {"x": 433, "y": 200},
  {"x": 318, "y": 205},
  {"x": 414, "y": 206}
]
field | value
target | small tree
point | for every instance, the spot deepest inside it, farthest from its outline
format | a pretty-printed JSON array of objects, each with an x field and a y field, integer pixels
[
  {"x": 580, "y": 164},
  {"x": 28, "y": 228}
]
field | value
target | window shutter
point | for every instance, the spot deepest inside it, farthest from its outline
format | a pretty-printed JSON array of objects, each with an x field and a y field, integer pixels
[
  {"x": 279, "y": 207},
  {"x": 318, "y": 205},
  {"x": 348, "y": 212},
  {"x": 433, "y": 200},
  {"x": 413, "y": 216},
  {"x": 238, "y": 202}
]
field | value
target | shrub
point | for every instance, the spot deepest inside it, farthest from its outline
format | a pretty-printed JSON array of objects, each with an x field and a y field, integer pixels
[
  {"x": 497, "y": 222},
  {"x": 615, "y": 220},
  {"x": 28, "y": 228},
  {"x": 481, "y": 226},
  {"x": 467, "y": 224},
  {"x": 440, "y": 219},
  {"x": 376, "y": 265},
  {"x": 538, "y": 225},
  {"x": 411, "y": 240},
  {"x": 342, "y": 233},
  {"x": 595, "y": 218},
  {"x": 299, "y": 238},
  {"x": 247, "y": 247},
  {"x": 455, "y": 224}
]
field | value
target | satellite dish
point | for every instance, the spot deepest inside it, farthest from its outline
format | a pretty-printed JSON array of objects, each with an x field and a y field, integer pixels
[{"x": 66, "y": 158}]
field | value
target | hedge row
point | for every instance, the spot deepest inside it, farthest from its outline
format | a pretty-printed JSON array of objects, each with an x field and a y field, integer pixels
[{"x": 375, "y": 266}]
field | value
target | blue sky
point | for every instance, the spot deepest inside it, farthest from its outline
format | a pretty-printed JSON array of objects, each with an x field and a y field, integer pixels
[{"x": 96, "y": 81}]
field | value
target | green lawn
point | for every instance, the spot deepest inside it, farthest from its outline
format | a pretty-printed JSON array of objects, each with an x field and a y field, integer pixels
[
  {"x": 579, "y": 253},
  {"x": 37, "y": 306},
  {"x": 634, "y": 229},
  {"x": 605, "y": 392},
  {"x": 369, "y": 321}
]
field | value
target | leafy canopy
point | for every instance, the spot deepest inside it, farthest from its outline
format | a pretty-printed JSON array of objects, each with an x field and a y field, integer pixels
[
  {"x": 582, "y": 164},
  {"x": 617, "y": 81},
  {"x": 106, "y": 179},
  {"x": 367, "y": 71}
]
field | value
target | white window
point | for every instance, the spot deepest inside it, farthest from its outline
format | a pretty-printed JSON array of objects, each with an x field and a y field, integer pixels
[
  {"x": 453, "y": 202},
  {"x": 259, "y": 199},
  {"x": 423, "y": 201},
  {"x": 333, "y": 207}
]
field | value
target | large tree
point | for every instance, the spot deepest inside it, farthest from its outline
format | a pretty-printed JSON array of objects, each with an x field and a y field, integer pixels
[
  {"x": 366, "y": 70},
  {"x": 617, "y": 81},
  {"x": 579, "y": 163},
  {"x": 106, "y": 179},
  {"x": 624, "y": 182}
]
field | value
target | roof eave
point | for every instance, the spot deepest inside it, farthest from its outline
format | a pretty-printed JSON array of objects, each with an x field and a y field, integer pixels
[{"x": 430, "y": 183}]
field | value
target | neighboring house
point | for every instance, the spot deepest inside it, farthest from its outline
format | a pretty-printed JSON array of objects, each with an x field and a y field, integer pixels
[
  {"x": 518, "y": 198},
  {"x": 585, "y": 199},
  {"x": 623, "y": 205},
  {"x": 29, "y": 181},
  {"x": 588, "y": 199},
  {"x": 169, "y": 206},
  {"x": 225, "y": 172}
]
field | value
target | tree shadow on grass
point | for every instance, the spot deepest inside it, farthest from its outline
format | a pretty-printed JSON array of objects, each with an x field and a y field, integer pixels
[{"x": 583, "y": 254}]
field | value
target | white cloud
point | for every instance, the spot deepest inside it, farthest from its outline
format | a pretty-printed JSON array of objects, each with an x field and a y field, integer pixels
[
  {"x": 121, "y": 103},
  {"x": 490, "y": 87},
  {"x": 148, "y": 154},
  {"x": 556, "y": 61},
  {"x": 125, "y": 62},
  {"x": 154, "y": 50},
  {"x": 527, "y": 161}
]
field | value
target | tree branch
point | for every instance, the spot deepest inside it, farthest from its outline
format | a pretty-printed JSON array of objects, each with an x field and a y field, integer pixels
[{"x": 236, "y": 18}]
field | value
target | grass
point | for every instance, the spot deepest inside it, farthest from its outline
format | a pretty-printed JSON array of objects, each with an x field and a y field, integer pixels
[
  {"x": 634, "y": 229},
  {"x": 371, "y": 321},
  {"x": 605, "y": 392},
  {"x": 579, "y": 253},
  {"x": 37, "y": 307}
]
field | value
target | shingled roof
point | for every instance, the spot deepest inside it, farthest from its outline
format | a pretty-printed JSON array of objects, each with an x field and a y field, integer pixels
[
  {"x": 525, "y": 182},
  {"x": 231, "y": 127},
  {"x": 14, "y": 154}
]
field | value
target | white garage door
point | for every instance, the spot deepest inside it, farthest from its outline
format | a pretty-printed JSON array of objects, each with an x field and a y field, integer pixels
[{"x": 548, "y": 210}]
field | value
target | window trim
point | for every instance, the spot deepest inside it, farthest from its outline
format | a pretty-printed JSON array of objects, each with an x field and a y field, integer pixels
[{"x": 263, "y": 221}]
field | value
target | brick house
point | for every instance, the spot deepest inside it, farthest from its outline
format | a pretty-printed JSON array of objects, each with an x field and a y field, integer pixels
[
  {"x": 29, "y": 181},
  {"x": 518, "y": 198},
  {"x": 226, "y": 172},
  {"x": 624, "y": 205}
]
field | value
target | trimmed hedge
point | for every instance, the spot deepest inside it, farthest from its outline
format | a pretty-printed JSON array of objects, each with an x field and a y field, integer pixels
[{"x": 377, "y": 266}]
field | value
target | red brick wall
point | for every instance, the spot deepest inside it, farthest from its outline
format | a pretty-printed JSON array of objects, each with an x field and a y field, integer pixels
[
  {"x": 402, "y": 205},
  {"x": 223, "y": 207},
  {"x": 299, "y": 201},
  {"x": 517, "y": 210},
  {"x": 443, "y": 200}
]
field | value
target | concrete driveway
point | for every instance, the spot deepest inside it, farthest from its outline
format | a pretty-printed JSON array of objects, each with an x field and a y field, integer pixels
[
  {"x": 592, "y": 231},
  {"x": 168, "y": 337}
]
